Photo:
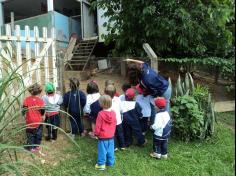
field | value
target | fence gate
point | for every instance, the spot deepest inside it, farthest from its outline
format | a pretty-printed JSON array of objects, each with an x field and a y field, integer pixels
[{"x": 35, "y": 55}]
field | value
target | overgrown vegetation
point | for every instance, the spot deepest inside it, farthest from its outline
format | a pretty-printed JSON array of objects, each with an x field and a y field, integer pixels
[
  {"x": 12, "y": 90},
  {"x": 12, "y": 124},
  {"x": 193, "y": 113}
]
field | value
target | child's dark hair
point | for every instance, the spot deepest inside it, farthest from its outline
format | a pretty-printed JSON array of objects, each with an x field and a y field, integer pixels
[
  {"x": 133, "y": 74},
  {"x": 110, "y": 90},
  {"x": 74, "y": 84},
  {"x": 126, "y": 86},
  {"x": 92, "y": 87},
  {"x": 35, "y": 89}
]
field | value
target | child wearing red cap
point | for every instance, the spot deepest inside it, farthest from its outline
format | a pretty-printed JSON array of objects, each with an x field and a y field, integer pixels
[
  {"x": 131, "y": 112},
  {"x": 162, "y": 128}
]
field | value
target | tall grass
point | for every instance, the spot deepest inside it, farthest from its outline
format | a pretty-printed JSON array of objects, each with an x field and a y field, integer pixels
[
  {"x": 12, "y": 125},
  {"x": 12, "y": 91}
]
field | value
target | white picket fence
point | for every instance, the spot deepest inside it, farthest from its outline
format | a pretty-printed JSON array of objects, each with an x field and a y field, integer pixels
[{"x": 37, "y": 53}]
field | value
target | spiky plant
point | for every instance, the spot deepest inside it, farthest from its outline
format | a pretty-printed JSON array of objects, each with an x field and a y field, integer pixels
[{"x": 203, "y": 98}]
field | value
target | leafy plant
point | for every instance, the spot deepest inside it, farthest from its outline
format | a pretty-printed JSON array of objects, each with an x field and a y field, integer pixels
[
  {"x": 188, "y": 119},
  {"x": 182, "y": 28},
  {"x": 202, "y": 99},
  {"x": 225, "y": 66}
]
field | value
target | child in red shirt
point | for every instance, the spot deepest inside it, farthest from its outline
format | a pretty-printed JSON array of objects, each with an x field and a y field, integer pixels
[
  {"x": 33, "y": 109},
  {"x": 105, "y": 131}
]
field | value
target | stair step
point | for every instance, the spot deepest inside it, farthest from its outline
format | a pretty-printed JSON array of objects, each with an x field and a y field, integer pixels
[
  {"x": 86, "y": 44},
  {"x": 79, "y": 64},
  {"x": 86, "y": 47},
  {"x": 80, "y": 57},
  {"x": 81, "y": 60},
  {"x": 89, "y": 41},
  {"x": 83, "y": 53}
]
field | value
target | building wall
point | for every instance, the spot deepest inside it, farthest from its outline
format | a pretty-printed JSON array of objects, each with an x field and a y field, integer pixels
[{"x": 101, "y": 20}]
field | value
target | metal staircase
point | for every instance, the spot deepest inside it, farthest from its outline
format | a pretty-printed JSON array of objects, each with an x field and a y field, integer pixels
[{"x": 82, "y": 54}]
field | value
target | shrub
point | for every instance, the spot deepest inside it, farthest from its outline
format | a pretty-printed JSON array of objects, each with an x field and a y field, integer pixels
[
  {"x": 188, "y": 119},
  {"x": 203, "y": 97},
  {"x": 194, "y": 104}
]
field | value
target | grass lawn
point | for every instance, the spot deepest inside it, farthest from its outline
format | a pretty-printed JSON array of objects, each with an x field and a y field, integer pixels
[
  {"x": 227, "y": 118},
  {"x": 215, "y": 156}
]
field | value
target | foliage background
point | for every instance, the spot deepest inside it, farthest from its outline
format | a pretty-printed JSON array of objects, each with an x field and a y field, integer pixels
[{"x": 173, "y": 28}]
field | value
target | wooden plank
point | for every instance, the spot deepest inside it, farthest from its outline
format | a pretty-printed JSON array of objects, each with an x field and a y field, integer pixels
[
  {"x": 8, "y": 56},
  {"x": 22, "y": 38},
  {"x": 46, "y": 64},
  {"x": 152, "y": 55},
  {"x": 18, "y": 50},
  {"x": 36, "y": 54},
  {"x": 70, "y": 49},
  {"x": 28, "y": 53},
  {"x": 39, "y": 59},
  {"x": 54, "y": 58}
]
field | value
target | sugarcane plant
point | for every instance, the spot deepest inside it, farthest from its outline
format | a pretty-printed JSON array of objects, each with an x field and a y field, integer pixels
[
  {"x": 183, "y": 90},
  {"x": 12, "y": 123},
  {"x": 12, "y": 90}
]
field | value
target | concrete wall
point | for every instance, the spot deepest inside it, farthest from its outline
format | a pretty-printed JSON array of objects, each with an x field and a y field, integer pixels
[{"x": 89, "y": 28}]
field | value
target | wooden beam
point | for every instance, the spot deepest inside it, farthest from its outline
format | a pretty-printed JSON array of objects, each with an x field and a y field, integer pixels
[{"x": 152, "y": 55}]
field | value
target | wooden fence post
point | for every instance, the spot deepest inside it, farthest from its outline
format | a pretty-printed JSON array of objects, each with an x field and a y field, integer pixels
[
  {"x": 54, "y": 58},
  {"x": 46, "y": 65},
  {"x": 28, "y": 53},
  {"x": 18, "y": 49},
  {"x": 36, "y": 52},
  {"x": 151, "y": 54}
]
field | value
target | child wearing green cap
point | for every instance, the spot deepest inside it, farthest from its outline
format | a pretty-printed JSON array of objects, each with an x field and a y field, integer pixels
[{"x": 52, "y": 101}]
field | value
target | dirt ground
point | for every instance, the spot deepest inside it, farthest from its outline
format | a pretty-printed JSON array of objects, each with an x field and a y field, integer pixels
[
  {"x": 219, "y": 91},
  {"x": 100, "y": 78}
]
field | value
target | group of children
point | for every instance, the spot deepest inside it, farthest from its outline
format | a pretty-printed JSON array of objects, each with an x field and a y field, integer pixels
[{"x": 114, "y": 118}]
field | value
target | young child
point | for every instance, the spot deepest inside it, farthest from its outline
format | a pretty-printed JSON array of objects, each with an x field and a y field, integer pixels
[
  {"x": 105, "y": 130},
  {"x": 162, "y": 129},
  {"x": 116, "y": 107},
  {"x": 74, "y": 102},
  {"x": 33, "y": 109},
  {"x": 92, "y": 106},
  {"x": 145, "y": 103},
  {"x": 124, "y": 87},
  {"x": 110, "y": 82},
  {"x": 131, "y": 111},
  {"x": 52, "y": 101}
]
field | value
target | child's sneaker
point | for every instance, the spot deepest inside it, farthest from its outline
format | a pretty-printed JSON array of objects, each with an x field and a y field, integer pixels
[
  {"x": 37, "y": 148},
  {"x": 164, "y": 156},
  {"x": 116, "y": 149},
  {"x": 91, "y": 134},
  {"x": 100, "y": 167},
  {"x": 41, "y": 153},
  {"x": 155, "y": 155}
]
